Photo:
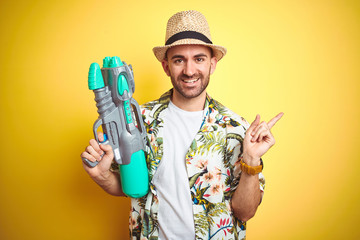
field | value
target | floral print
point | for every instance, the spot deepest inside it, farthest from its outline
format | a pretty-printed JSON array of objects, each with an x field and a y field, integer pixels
[{"x": 212, "y": 167}]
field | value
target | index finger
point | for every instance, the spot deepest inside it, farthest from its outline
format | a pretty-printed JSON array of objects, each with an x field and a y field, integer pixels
[
  {"x": 272, "y": 122},
  {"x": 95, "y": 145},
  {"x": 100, "y": 136}
]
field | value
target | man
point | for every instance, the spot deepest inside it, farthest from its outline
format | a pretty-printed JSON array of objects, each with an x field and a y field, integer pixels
[{"x": 204, "y": 160}]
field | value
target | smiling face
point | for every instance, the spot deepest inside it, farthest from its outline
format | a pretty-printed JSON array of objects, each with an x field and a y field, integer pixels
[{"x": 189, "y": 67}]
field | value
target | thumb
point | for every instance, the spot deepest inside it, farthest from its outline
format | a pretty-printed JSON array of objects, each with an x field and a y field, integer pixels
[
  {"x": 254, "y": 124},
  {"x": 109, "y": 154}
]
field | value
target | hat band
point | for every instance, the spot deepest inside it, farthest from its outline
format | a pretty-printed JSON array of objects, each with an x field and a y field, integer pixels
[{"x": 187, "y": 34}]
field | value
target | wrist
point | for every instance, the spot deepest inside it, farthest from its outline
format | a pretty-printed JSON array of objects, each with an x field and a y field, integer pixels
[
  {"x": 250, "y": 160},
  {"x": 251, "y": 169},
  {"x": 100, "y": 176}
]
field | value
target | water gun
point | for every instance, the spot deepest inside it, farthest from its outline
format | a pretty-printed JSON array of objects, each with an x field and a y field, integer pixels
[{"x": 121, "y": 121}]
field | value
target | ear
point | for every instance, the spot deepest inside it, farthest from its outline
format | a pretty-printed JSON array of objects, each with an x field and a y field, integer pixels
[
  {"x": 213, "y": 62},
  {"x": 165, "y": 65}
]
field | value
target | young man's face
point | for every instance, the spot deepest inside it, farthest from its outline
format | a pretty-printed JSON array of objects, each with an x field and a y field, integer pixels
[{"x": 189, "y": 67}]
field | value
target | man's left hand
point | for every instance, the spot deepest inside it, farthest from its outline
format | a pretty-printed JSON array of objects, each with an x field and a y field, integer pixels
[{"x": 258, "y": 139}]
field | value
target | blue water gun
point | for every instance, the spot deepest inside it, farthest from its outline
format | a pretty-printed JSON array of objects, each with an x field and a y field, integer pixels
[{"x": 121, "y": 121}]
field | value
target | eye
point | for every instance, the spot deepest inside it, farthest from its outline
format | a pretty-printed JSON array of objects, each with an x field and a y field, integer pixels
[
  {"x": 179, "y": 60},
  {"x": 200, "y": 59}
]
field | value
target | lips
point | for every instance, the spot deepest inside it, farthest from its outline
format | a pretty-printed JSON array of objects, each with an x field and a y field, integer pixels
[{"x": 190, "y": 80}]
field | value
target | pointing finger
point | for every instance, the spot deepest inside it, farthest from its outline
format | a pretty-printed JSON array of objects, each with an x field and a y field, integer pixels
[{"x": 272, "y": 122}]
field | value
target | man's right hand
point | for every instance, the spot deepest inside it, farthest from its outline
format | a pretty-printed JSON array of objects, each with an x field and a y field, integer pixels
[
  {"x": 101, "y": 174},
  {"x": 101, "y": 153}
]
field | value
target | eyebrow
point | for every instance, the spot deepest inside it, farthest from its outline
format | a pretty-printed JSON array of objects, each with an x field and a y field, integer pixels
[
  {"x": 177, "y": 56},
  {"x": 196, "y": 56},
  {"x": 201, "y": 55}
]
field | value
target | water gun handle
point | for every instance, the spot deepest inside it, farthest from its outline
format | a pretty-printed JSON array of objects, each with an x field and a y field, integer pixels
[
  {"x": 97, "y": 124},
  {"x": 90, "y": 163},
  {"x": 87, "y": 161}
]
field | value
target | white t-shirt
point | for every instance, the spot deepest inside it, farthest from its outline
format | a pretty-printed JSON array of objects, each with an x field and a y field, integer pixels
[{"x": 175, "y": 215}]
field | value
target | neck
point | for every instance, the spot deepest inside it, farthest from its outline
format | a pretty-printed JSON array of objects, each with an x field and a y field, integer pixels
[{"x": 189, "y": 104}]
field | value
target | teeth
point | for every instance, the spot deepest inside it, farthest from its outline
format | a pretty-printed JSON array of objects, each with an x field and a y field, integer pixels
[{"x": 191, "y": 81}]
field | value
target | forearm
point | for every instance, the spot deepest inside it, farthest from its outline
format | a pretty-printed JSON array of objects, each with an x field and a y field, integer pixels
[
  {"x": 247, "y": 196},
  {"x": 110, "y": 182},
  {"x": 257, "y": 141}
]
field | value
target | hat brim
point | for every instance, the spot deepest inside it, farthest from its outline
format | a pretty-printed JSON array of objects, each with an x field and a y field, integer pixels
[{"x": 160, "y": 52}]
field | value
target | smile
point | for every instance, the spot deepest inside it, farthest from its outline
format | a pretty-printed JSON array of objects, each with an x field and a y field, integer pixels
[{"x": 191, "y": 80}]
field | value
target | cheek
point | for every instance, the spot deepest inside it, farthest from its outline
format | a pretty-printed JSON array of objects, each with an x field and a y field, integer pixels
[
  {"x": 206, "y": 70},
  {"x": 175, "y": 71},
  {"x": 166, "y": 68}
]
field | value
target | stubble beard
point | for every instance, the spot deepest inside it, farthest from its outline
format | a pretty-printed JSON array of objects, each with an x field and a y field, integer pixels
[{"x": 191, "y": 93}]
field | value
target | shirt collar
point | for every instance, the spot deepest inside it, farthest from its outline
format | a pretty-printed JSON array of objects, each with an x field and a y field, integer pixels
[
  {"x": 163, "y": 102},
  {"x": 211, "y": 109}
]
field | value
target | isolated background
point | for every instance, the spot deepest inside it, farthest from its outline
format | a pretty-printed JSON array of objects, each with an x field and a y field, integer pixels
[{"x": 301, "y": 57}]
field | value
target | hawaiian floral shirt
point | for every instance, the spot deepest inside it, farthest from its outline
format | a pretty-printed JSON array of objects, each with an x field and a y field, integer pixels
[{"x": 213, "y": 170}]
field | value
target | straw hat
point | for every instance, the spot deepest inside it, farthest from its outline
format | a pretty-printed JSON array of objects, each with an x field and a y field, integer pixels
[{"x": 188, "y": 27}]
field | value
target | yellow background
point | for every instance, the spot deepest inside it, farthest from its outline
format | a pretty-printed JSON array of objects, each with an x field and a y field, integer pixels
[{"x": 301, "y": 57}]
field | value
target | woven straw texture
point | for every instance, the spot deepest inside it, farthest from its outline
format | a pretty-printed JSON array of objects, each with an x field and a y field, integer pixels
[{"x": 188, "y": 21}]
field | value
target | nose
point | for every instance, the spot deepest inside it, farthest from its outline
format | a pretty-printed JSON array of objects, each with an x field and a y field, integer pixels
[{"x": 189, "y": 68}]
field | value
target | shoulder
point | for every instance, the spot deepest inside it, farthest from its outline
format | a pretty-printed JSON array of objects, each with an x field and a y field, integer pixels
[
  {"x": 148, "y": 106},
  {"x": 229, "y": 116},
  {"x": 153, "y": 108}
]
